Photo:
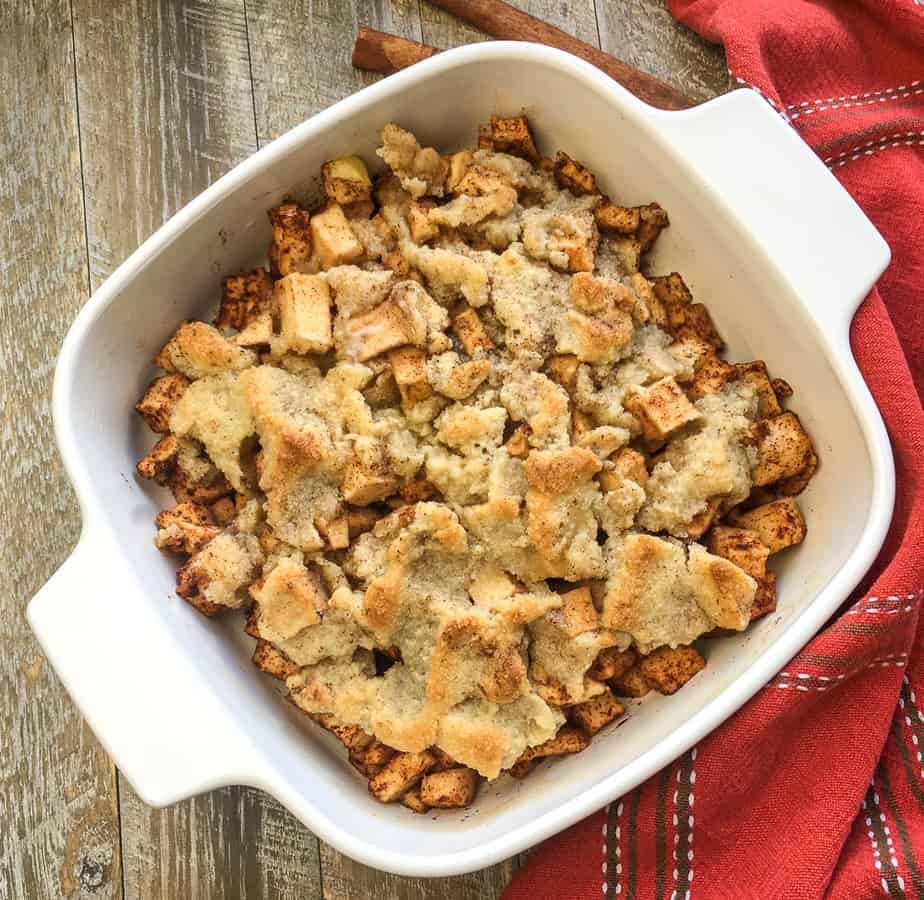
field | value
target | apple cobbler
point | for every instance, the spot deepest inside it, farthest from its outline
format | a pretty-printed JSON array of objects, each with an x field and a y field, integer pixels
[{"x": 472, "y": 473}]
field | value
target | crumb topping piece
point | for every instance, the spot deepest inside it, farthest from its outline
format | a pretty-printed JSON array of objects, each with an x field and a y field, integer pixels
[{"x": 477, "y": 475}]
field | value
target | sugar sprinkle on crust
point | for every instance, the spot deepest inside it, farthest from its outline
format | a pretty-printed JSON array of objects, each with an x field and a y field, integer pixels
[{"x": 474, "y": 473}]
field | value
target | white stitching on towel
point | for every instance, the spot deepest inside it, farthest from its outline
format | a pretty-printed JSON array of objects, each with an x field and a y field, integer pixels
[
  {"x": 860, "y": 148},
  {"x": 690, "y": 839},
  {"x": 890, "y": 605},
  {"x": 917, "y": 712},
  {"x": 911, "y": 143},
  {"x": 890, "y": 847},
  {"x": 617, "y": 836},
  {"x": 872, "y": 840},
  {"x": 682, "y": 891},
  {"x": 892, "y": 90},
  {"x": 894, "y": 659},
  {"x": 847, "y": 105}
]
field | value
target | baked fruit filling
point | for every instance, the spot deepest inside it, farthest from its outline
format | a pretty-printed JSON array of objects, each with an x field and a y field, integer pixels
[{"x": 473, "y": 474}]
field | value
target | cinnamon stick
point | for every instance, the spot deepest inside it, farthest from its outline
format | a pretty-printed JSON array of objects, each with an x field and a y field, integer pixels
[
  {"x": 377, "y": 51},
  {"x": 505, "y": 22}
]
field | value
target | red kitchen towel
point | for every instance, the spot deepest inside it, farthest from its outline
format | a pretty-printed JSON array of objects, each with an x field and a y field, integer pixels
[{"x": 816, "y": 787}]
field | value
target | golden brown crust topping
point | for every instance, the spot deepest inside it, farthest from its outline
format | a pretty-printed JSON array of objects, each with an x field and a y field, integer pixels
[
  {"x": 421, "y": 170},
  {"x": 723, "y": 590},
  {"x": 214, "y": 412},
  {"x": 198, "y": 350},
  {"x": 289, "y": 599},
  {"x": 454, "y": 451},
  {"x": 659, "y": 595},
  {"x": 218, "y": 575},
  {"x": 559, "y": 471},
  {"x": 577, "y": 614}
]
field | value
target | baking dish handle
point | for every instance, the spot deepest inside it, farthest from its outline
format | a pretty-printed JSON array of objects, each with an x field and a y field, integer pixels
[
  {"x": 123, "y": 671},
  {"x": 785, "y": 196}
]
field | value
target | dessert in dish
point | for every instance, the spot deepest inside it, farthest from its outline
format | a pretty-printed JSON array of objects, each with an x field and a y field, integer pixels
[{"x": 473, "y": 473}]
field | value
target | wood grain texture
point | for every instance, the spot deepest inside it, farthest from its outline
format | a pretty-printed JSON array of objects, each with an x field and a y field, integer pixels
[
  {"x": 230, "y": 844},
  {"x": 165, "y": 109},
  {"x": 506, "y": 22},
  {"x": 346, "y": 880},
  {"x": 178, "y": 113},
  {"x": 576, "y": 17},
  {"x": 300, "y": 51},
  {"x": 645, "y": 35},
  {"x": 59, "y": 833}
]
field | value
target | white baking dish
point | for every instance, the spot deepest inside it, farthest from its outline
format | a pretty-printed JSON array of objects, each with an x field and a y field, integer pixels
[{"x": 765, "y": 236}]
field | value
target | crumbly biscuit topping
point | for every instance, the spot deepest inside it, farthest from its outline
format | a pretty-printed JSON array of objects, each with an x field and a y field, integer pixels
[{"x": 455, "y": 450}]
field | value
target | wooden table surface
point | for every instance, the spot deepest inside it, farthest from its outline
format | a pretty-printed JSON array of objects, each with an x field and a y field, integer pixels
[{"x": 114, "y": 114}]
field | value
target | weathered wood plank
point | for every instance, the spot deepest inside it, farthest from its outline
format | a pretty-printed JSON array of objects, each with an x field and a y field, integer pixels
[
  {"x": 229, "y": 844},
  {"x": 300, "y": 51},
  {"x": 346, "y": 880},
  {"x": 59, "y": 836},
  {"x": 644, "y": 34},
  {"x": 166, "y": 108},
  {"x": 577, "y": 17}
]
